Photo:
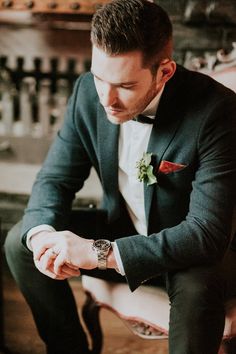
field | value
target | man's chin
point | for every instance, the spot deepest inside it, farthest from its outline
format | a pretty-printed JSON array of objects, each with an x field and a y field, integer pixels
[{"x": 117, "y": 120}]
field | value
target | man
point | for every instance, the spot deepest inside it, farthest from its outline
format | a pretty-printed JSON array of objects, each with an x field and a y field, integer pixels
[{"x": 183, "y": 199}]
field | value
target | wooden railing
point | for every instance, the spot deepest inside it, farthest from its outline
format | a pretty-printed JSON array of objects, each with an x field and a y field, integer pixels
[
  {"x": 32, "y": 104},
  {"x": 53, "y": 6}
]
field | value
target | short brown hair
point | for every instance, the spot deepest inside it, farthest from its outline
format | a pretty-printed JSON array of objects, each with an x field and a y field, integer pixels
[{"x": 128, "y": 25}]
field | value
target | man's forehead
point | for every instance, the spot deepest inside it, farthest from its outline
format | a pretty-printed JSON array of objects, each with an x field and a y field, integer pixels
[
  {"x": 125, "y": 67},
  {"x": 126, "y": 81}
]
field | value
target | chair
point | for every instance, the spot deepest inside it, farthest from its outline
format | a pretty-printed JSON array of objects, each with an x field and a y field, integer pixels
[{"x": 148, "y": 322}]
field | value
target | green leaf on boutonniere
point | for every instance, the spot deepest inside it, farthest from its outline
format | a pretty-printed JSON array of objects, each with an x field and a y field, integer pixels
[{"x": 145, "y": 169}]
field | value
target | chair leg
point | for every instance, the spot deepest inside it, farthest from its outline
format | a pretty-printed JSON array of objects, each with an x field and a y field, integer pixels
[{"x": 90, "y": 314}]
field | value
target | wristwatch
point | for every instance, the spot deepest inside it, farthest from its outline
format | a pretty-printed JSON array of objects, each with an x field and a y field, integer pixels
[{"x": 102, "y": 248}]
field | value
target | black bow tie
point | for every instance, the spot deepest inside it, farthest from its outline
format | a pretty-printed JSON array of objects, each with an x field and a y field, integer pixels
[{"x": 144, "y": 119}]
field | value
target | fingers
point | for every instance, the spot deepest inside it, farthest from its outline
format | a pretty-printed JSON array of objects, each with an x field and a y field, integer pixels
[
  {"x": 62, "y": 260},
  {"x": 41, "y": 250},
  {"x": 56, "y": 254},
  {"x": 65, "y": 272},
  {"x": 46, "y": 259},
  {"x": 56, "y": 266},
  {"x": 47, "y": 272},
  {"x": 71, "y": 266},
  {"x": 69, "y": 272}
]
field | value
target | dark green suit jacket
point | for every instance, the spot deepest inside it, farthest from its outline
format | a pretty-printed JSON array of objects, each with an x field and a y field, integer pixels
[{"x": 195, "y": 126}]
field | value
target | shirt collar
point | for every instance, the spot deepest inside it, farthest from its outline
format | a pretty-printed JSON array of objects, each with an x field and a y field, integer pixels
[{"x": 150, "y": 110}]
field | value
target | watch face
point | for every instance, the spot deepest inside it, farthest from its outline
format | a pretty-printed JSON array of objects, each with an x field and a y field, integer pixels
[{"x": 102, "y": 244}]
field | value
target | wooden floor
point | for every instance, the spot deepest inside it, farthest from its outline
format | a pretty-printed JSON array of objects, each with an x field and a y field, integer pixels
[{"x": 21, "y": 336}]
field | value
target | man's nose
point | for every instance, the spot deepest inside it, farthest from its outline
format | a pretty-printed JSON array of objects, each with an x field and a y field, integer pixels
[{"x": 108, "y": 95}]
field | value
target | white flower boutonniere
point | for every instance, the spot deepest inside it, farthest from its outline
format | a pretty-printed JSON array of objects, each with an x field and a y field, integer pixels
[{"x": 145, "y": 169}]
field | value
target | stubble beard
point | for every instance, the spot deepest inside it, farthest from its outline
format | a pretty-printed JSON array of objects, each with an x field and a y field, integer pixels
[{"x": 139, "y": 108}]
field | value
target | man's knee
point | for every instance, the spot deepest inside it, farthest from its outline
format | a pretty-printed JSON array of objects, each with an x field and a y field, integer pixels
[
  {"x": 13, "y": 245},
  {"x": 203, "y": 285},
  {"x": 197, "y": 309},
  {"x": 12, "y": 238}
]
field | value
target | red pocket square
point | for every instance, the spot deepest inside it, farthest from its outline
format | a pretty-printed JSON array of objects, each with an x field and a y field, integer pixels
[{"x": 168, "y": 167}]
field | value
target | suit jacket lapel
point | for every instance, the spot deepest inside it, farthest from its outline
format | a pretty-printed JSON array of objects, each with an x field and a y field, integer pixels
[
  {"x": 108, "y": 135},
  {"x": 165, "y": 126}
]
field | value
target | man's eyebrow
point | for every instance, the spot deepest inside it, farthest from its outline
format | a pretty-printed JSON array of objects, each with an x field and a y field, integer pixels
[{"x": 115, "y": 84}]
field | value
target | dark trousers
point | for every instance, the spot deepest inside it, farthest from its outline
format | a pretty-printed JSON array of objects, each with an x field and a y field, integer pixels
[{"x": 197, "y": 297}]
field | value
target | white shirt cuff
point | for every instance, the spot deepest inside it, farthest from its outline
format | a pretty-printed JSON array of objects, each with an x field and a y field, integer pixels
[
  {"x": 118, "y": 258},
  {"x": 35, "y": 230}
]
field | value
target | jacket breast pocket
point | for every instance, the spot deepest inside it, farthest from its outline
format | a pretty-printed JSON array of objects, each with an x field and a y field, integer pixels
[{"x": 179, "y": 180}]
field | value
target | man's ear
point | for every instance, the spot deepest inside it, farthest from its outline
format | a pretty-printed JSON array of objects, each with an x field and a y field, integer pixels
[{"x": 167, "y": 70}]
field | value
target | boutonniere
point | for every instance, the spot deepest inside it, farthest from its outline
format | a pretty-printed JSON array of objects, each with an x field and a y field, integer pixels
[{"x": 145, "y": 169}]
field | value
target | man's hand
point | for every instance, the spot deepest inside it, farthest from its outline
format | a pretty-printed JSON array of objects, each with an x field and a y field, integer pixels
[{"x": 60, "y": 255}]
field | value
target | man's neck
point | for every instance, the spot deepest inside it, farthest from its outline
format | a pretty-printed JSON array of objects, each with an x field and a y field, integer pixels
[{"x": 151, "y": 108}]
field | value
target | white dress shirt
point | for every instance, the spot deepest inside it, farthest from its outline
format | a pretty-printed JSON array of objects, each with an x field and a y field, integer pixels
[{"x": 133, "y": 141}]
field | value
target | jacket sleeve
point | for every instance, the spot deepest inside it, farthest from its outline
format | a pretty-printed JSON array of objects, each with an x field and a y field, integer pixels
[
  {"x": 63, "y": 173},
  {"x": 202, "y": 237}
]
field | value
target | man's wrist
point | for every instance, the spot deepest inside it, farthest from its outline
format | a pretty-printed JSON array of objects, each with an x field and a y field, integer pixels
[{"x": 111, "y": 261}]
